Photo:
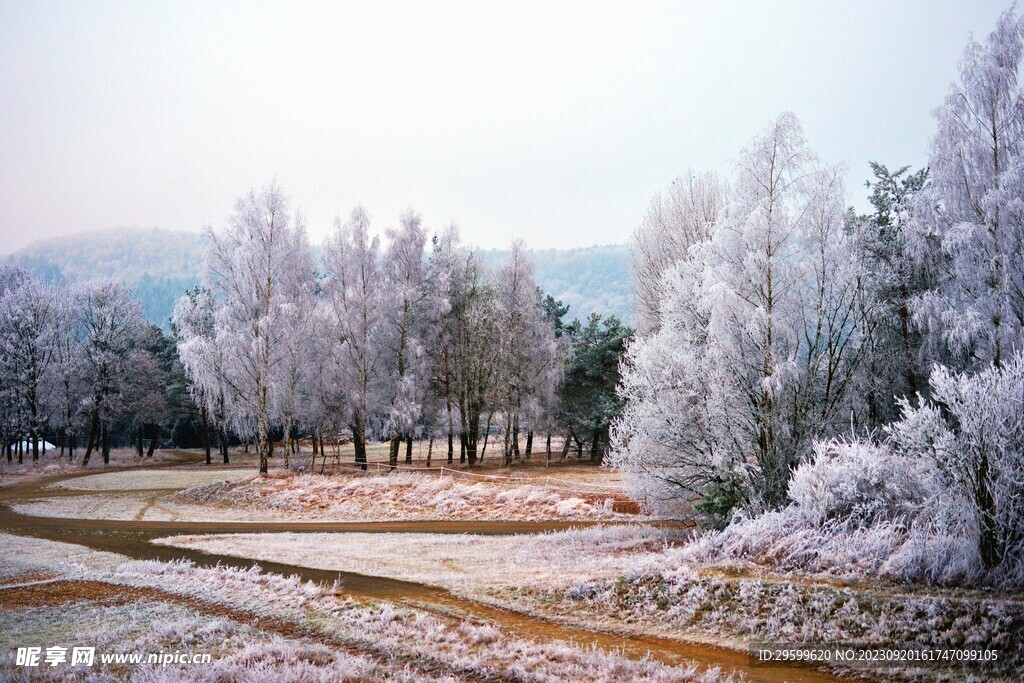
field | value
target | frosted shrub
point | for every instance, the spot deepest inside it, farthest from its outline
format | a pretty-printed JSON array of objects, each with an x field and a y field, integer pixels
[
  {"x": 859, "y": 484},
  {"x": 972, "y": 431}
]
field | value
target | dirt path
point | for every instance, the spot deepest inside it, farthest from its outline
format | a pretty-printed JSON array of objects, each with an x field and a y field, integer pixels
[{"x": 131, "y": 538}]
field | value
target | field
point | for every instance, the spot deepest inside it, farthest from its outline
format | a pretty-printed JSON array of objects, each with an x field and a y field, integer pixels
[{"x": 536, "y": 572}]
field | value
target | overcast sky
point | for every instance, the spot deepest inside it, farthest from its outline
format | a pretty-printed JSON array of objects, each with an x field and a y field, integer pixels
[{"x": 550, "y": 121}]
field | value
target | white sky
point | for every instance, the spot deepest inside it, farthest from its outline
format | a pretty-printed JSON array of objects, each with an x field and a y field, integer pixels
[{"x": 550, "y": 121}]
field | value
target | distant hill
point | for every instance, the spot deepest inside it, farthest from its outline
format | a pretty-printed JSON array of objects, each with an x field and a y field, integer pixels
[
  {"x": 158, "y": 264},
  {"x": 161, "y": 264},
  {"x": 588, "y": 279}
]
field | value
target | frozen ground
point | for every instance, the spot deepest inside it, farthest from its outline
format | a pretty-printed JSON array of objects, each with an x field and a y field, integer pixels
[
  {"x": 471, "y": 564},
  {"x": 239, "y": 495},
  {"x": 270, "y": 627},
  {"x": 634, "y": 579},
  {"x": 415, "y": 495},
  {"x": 52, "y": 462},
  {"x": 152, "y": 479},
  {"x": 238, "y": 651}
]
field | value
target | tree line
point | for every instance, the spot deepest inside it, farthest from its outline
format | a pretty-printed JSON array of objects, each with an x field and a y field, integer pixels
[
  {"x": 81, "y": 366},
  {"x": 415, "y": 337},
  {"x": 411, "y": 337},
  {"x": 773, "y": 319}
]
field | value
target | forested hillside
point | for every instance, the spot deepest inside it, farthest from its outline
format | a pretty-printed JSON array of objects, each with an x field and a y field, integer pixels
[
  {"x": 158, "y": 264},
  {"x": 161, "y": 264}
]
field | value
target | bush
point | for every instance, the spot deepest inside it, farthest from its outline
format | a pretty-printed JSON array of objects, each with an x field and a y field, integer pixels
[
  {"x": 859, "y": 484},
  {"x": 972, "y": 432}
]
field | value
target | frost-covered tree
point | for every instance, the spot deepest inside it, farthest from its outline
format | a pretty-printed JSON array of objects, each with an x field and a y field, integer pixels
[
  {"x": 296, "y": 367},
  {"x": 68, "y": 387},
  {"x": 475, "y": 350},
  {"x": 758, "y": 340},
  {"x": 404, "y": 296},
  {"x": 111, "y": 322},
  {"x": 194, "y": 324},
  {"x": 247, "y": 267},
  {"x": 29, "y": 325},
  {"x": 677, "y": 219},
  {"x": 445, "y": 271},
  {"x": 144, "y": 389},
  {"x": 354, "y": 292},
  {"x": 968, "y": 227},
  {"x": 526, "y": 344}
]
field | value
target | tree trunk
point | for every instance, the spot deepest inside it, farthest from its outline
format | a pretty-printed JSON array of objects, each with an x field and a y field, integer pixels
[
  {"x": 139, "y": 438},
  {"x": 358, "y": 442},
  {"x": 222, "y": 435},
  {"x": 462, "y": 448},
  {"x": 154, "y": 434},
  {"x": 596, "y": 448},
  {"x": 515, "y": 436},
  {"x": 451, "y": 446},
  {"x": 989, "y": 544},
  {"x": 287, "y": 442},
  {"x": 430, "y": 448},
  {"x": 93, "y": 436},
  {"x": 547, "y": 447},
  {"x": 471, "y": 438},
  {"x": 529, "y": 444},
  {"x": 408, "y": 450},
  {"x": 106, "y": 443},
  {"x": 565, "y": 447},
  {"x": 905, "y": 333},
  {"x": 396, "y": 441},
  {"x": 506, "y": 450},
  {"x": 204, "y": 416}
]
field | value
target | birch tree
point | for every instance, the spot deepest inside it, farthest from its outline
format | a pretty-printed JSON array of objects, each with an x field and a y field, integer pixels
[
  {"x": 404, "y": 295},
  {"x": 296, "y": 367},
  {"x": 475, "y": 352},
  {"x": 676, "y": 219},
  {"x": 29, "y": 318},
  {"x": 246, "y": 271},
  {"x": 353, "y": 290},
  {"x": 445, "y": 271},
  {"x": 111, "y": 322},
  {"x": 968, "y": 227}
]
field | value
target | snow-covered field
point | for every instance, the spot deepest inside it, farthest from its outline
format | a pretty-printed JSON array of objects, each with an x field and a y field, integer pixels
[
  {"x": 236, "y": 495},
  {"x": 412, "y": 496},
  {"x": 152, "y": 479},
  {"x": 238, "y": 651},
  {"x": 340, "y": 638},
  {"x": 471, "y": 564},
  {"x": 642, "y": 579},
  {"x": 52, "y": 462}
]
